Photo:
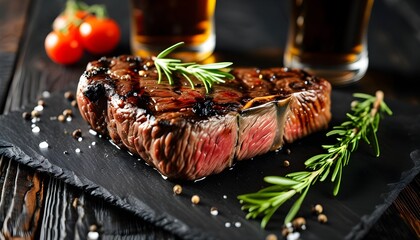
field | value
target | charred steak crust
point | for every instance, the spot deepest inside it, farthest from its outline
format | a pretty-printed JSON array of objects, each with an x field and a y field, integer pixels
[{"x": 188, "y": 134}]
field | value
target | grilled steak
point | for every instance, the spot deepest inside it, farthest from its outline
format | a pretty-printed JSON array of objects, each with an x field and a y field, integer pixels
[{"x": 188, "y": 134}]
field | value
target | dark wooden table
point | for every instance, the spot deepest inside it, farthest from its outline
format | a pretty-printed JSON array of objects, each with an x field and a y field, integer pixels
[{"x": 36, "y": 206}]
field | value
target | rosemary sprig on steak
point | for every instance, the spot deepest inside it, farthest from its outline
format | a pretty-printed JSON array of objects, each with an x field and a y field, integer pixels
[
  {"x": 206, "y": 73},
  {"x": 362, "y": 125}
]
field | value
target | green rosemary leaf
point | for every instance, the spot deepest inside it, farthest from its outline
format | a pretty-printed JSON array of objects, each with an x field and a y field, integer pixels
[
  {"x": 325, "y": 174},
  {"x": 385, "y": 108},
  {"x": 362, "y": 95},
  {"x": 336, "y": 170},
  {"x": 268, "y": 216},
  {"x": 337, "y": 182},
  {"x": 165, "y": 52},
  {"x": 274, "y": 188},
  {"x": 315, "y": 158},
  {"x": 295, "y": 207},
  {"x": 275, "y": 205},
  {"x": 299, "y": 176},
  {"x": 374, "y": 141},
  {"x": 216, "y": 65},
  {"x": 280, "y": 180},
  {"x": 259, "y": 195},
  {"x": 189, "y": 80},
  {"x": 251, "y": 200},
  {"x": 281, "y": 198},
  {"x": 336, "y": 131}
]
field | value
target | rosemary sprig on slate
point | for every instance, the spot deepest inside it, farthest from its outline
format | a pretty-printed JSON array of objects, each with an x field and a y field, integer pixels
[
  {"x": 206, "y": 73},
  {"x": 362, "y": 125}
]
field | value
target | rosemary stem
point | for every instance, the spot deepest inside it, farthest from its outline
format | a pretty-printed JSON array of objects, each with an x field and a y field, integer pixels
[
  {"x": 361, "y": 126},
  {"x": 379, "y": 98}
]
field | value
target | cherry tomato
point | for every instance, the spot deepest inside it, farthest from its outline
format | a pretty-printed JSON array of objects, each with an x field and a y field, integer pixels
[
  {"x": 63, "y": 48},
  {"x": 67, "y": 21},
  {"x": 99, "y": 35}
]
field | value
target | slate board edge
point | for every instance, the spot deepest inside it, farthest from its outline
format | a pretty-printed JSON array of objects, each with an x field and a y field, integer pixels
[
  {"x": 367, "y": 221},
  {"x": 41, "y": 164}
]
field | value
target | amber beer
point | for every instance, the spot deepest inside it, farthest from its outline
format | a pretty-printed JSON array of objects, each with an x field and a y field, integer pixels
[
  {"x": 158, "y": 24},
  {"x": 328, "y": 38}
]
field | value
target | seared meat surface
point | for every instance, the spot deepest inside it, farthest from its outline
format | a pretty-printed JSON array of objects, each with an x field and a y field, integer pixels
[{"x": 187, "y": 133}]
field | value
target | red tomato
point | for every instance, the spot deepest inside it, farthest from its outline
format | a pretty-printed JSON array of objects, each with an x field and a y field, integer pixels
[
  {"x": 99, "y": 35},
  {"x": 63, "y": 48},
  {"x": 71, "y": 22}
]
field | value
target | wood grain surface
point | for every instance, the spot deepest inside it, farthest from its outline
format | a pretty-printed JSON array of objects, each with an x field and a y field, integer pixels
[{"x": 36, "y": 206}]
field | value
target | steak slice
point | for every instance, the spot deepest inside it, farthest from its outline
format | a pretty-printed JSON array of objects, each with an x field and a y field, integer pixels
[{"x": 187, "y": 134}]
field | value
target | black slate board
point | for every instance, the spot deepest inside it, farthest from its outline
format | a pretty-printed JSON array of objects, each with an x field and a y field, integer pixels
[{"x": 369, "y": 184}]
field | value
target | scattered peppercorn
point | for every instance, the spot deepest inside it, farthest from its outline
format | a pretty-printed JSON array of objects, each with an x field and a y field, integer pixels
[
  {"x": 74, "y": 103},
  {"x": 177, "y": 189},
  {"x": 322, "y": 218},
  {"x": 272, "y": 236},
  {"x": 35, "y": 114},
  {"x": 317, "y": 209},
  {"x": 286, "y": 163},
  {"x": 67, "y": 112},
  {"x": 285, "y": 231},
  {"x": 288, "y": 151},
  {"x": 61, "y": 118},
  {"x": 142, "y": 73},
  {"x": 77, "y": 133},
  {"x": 298, "y": 222},
  {"x": 41, "y": 102},
  {"x": 195, "y": 199},
  {"x": 93, "y": 228},
  {"x": 69, "y": 95},
  {"x": 26, "y": 115}
]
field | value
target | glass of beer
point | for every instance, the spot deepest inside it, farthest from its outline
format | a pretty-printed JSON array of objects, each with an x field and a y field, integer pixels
[
  {"x": 158, "y": 24},
  {"x": 329, "y": 38}
]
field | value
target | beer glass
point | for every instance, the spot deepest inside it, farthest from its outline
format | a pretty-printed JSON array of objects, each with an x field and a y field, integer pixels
[
  {"x": 329, "y": 38},
  {"x": 158, "y": 24}
]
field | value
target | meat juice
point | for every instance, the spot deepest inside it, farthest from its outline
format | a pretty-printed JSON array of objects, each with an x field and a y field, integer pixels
[
  {"x": 329, "y": 38},
  {"x": 158, "y": 24}
]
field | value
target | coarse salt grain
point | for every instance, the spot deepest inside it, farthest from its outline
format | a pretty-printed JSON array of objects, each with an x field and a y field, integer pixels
[
  {"x": 214, "y": 211},
  {"x": 293, "y": 236},
  {"x": 227, "y": 224},
  {"x": 46, "y": 94},
  {"x": 43, "y": 145},
  {"x": 39, "y": 108},
  {"x": 35, "y": 119},
  {"x": 77, "y": 150},
  {"x": 238, "y": 224},
  {"x": 93, "y": 143},
  {"x": 93, "y": 132},
  {"x": 36, "y": 129},
  {"x": 93, "y": 235}
]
